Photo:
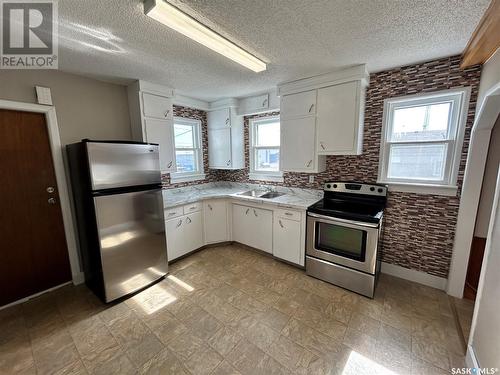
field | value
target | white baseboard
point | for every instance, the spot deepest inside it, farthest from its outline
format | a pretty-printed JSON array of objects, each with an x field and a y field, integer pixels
[
  {"x": 22, "y": 300},
  {"x": 415, "y": 276},
  {"x": 470, "y": 358},
  {"x": 78, "y": 278}
]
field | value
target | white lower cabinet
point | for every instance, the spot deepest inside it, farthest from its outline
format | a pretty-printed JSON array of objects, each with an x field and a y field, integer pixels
[
  {"x": 287, "y": 243},
  {"x": 184, "y": 234},
  {"x": 253, "y": 227},
  {"x": 215, "y": 220}
]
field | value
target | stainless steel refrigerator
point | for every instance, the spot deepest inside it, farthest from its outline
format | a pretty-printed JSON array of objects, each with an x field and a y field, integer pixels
[{"x": 119, "y": 213}]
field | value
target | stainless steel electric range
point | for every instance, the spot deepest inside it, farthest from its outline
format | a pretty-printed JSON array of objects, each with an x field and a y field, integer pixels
[{"x": 344, "y": 231}]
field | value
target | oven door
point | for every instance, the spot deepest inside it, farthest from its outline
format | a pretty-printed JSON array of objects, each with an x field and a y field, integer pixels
[{"x": 346, "y": 242}]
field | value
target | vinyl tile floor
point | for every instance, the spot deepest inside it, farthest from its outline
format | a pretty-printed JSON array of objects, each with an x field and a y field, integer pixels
[{"x": 229, "y": 310}]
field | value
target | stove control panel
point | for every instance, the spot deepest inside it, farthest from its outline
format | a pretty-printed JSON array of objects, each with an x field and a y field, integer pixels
[{"x": 356, "y": 188}]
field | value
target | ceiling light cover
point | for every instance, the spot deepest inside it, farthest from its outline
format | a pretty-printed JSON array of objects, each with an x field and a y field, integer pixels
[{"x": 172, "y": 17}]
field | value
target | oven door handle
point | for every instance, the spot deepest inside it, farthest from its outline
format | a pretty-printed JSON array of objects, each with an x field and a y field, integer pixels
[{"x": 347, "y": 221}]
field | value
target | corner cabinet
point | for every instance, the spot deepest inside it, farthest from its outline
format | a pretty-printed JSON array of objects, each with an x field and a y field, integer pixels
[
  {"x": 151, "y": 116},
  {"x": 225, "y": 139},
  {"x": 215, "y": 220},
  {"x": 321, "y": 116}
]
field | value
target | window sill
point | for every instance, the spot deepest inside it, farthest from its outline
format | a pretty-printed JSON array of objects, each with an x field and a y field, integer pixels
[
  {"x": 278, "y": 177},
  {"x": 429, "y": 189},
  {"x": 179, "y": 177}
]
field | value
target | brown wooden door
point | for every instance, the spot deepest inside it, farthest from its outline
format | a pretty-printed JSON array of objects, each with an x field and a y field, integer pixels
[{"x": 33, "y": 255}]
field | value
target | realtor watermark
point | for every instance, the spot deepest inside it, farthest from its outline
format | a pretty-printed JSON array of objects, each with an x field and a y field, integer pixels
[
  {"x": 474, "y": 371},
  {"x": 29, "y": 34}
]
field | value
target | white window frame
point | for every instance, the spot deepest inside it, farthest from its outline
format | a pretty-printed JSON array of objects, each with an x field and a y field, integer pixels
[
  {"x": 273, "y": 176},
  {"x": 457, "y": 121},
  {"x": 176, "y": 177}
]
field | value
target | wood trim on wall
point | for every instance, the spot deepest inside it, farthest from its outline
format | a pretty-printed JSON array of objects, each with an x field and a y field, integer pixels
[{"x": 486, "y": 38}]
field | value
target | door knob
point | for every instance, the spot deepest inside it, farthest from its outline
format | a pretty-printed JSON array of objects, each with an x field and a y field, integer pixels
[
  {"x": 50, "y": 189},
  {"x": 51, "y": 201}
]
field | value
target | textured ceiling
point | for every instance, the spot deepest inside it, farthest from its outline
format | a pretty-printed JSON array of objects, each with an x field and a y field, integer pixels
[{"x": 114, "y": 40}]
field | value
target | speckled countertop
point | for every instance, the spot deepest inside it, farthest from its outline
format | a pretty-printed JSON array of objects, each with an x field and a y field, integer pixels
[{"x": 293, "y": 198}]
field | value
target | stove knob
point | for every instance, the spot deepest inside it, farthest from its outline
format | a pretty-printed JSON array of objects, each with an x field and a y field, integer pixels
[
  {"x": 334, "y": 186},
  {"x": 380, "y": 190},
  {"x": 372, "y": 189},
  {"x": 328, "y": 186}
]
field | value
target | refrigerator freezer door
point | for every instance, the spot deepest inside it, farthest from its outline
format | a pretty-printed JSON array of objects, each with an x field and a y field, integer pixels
[
  {"x": 132, "y": 240},
  {"x": 115, "y": 165}
]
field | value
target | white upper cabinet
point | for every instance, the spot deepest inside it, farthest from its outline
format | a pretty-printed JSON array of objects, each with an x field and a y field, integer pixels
[
  {"x": 219, "y": 119},
  {"x": 339, "y": 119},
  {"x": 297, "y": 105},
  {"x": 225, "y": 139},
  {"x": 331, "y": 108},
  {"x": 161, "y": 132},
  {"x": 151, "y": 118},
  {"x": 298, "y": 145},
  {"x": 157, "y": 106}
]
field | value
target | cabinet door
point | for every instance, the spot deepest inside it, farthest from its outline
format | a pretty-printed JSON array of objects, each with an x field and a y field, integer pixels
[
  {"x": 157, "y": 106},
  {"x": 219, "y": 148},
  {"x": 261, "y": 229},
  {"x": 241, "y": 220},
  {"x": 193, "y": 231},
  {"x": 301, "y": 104},
  {"x": 215, "y": 220},
  {"x": 161, "y": 132},
  {"x": 286, "y": 240},
  {"x": 219, "y": 119},
  {"x": 338, "y": 119},
  {"x": 298, "y": 145},
  {"x": 176, "y": 244}
]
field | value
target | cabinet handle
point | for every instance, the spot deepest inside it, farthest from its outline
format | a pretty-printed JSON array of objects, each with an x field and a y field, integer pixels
[
  {"x": 166, "y": 113},
  {"x": 210, "y": 207},
  {"x": 169, "y": 165},
  {"x": 255, "y": 213},
  {"x": 288, "y": 214},
  {"x": 322, "y": 145},
  {"x": 172, "y": 214},
  {"x": 192, "y": 208},
  {"x": 281, "y": 224},
  {"x": 228, "y": 163},
  {"x": 179, "y": 223},
  {"x": 189, "y": 222},
  {"x": 227, "y": 121},
  {"x": 311, "y": 108},
  {"x": 309, "y": 163},
  {"x": 246, "y": 212},
  {"x": 264, "y": 102}
]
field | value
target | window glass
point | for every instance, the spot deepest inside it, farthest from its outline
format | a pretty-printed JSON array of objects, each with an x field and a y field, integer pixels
[
  {"x": 183, "y": 136},
  {"x": 417, "y": 161},
  {"x": 429, "y": 122},
  {"x": 267, "y": 134},
  {"x": 267, "y": 159}
]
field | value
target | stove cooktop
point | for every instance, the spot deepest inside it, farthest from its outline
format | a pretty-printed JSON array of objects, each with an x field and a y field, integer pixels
[{"x": 343, "y": 209}]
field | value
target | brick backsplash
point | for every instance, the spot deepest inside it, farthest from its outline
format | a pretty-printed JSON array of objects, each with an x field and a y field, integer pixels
[{"x": 419, "y": 229}]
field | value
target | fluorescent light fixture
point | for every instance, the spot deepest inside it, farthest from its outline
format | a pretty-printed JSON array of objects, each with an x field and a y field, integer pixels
[{"x": 172, "y": 17}]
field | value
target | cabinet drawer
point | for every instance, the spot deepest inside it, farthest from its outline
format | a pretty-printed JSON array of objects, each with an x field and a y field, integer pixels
[
  {"x": 157, "y": 106},
  {"x": 288, "y": 214},
  {"x": 192, "y": 207},
  {"x": 173, "y": 212}
]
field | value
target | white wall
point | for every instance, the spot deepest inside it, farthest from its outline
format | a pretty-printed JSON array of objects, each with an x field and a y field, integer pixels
[
  {"x": 86, "y": 108},
  {"x": 489, "y": 183},
  {"x": 485, "y": 337}
]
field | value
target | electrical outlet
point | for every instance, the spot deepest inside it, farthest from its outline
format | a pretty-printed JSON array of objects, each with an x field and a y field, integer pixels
[{"x": 311, "y": 179}]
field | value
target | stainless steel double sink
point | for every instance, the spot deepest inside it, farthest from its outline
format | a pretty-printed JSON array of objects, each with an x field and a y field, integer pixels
[{"x": 262, "y": 194}]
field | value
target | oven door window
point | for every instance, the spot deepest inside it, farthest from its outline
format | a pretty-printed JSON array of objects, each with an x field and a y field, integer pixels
[{"x": 341, "y": 241}]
